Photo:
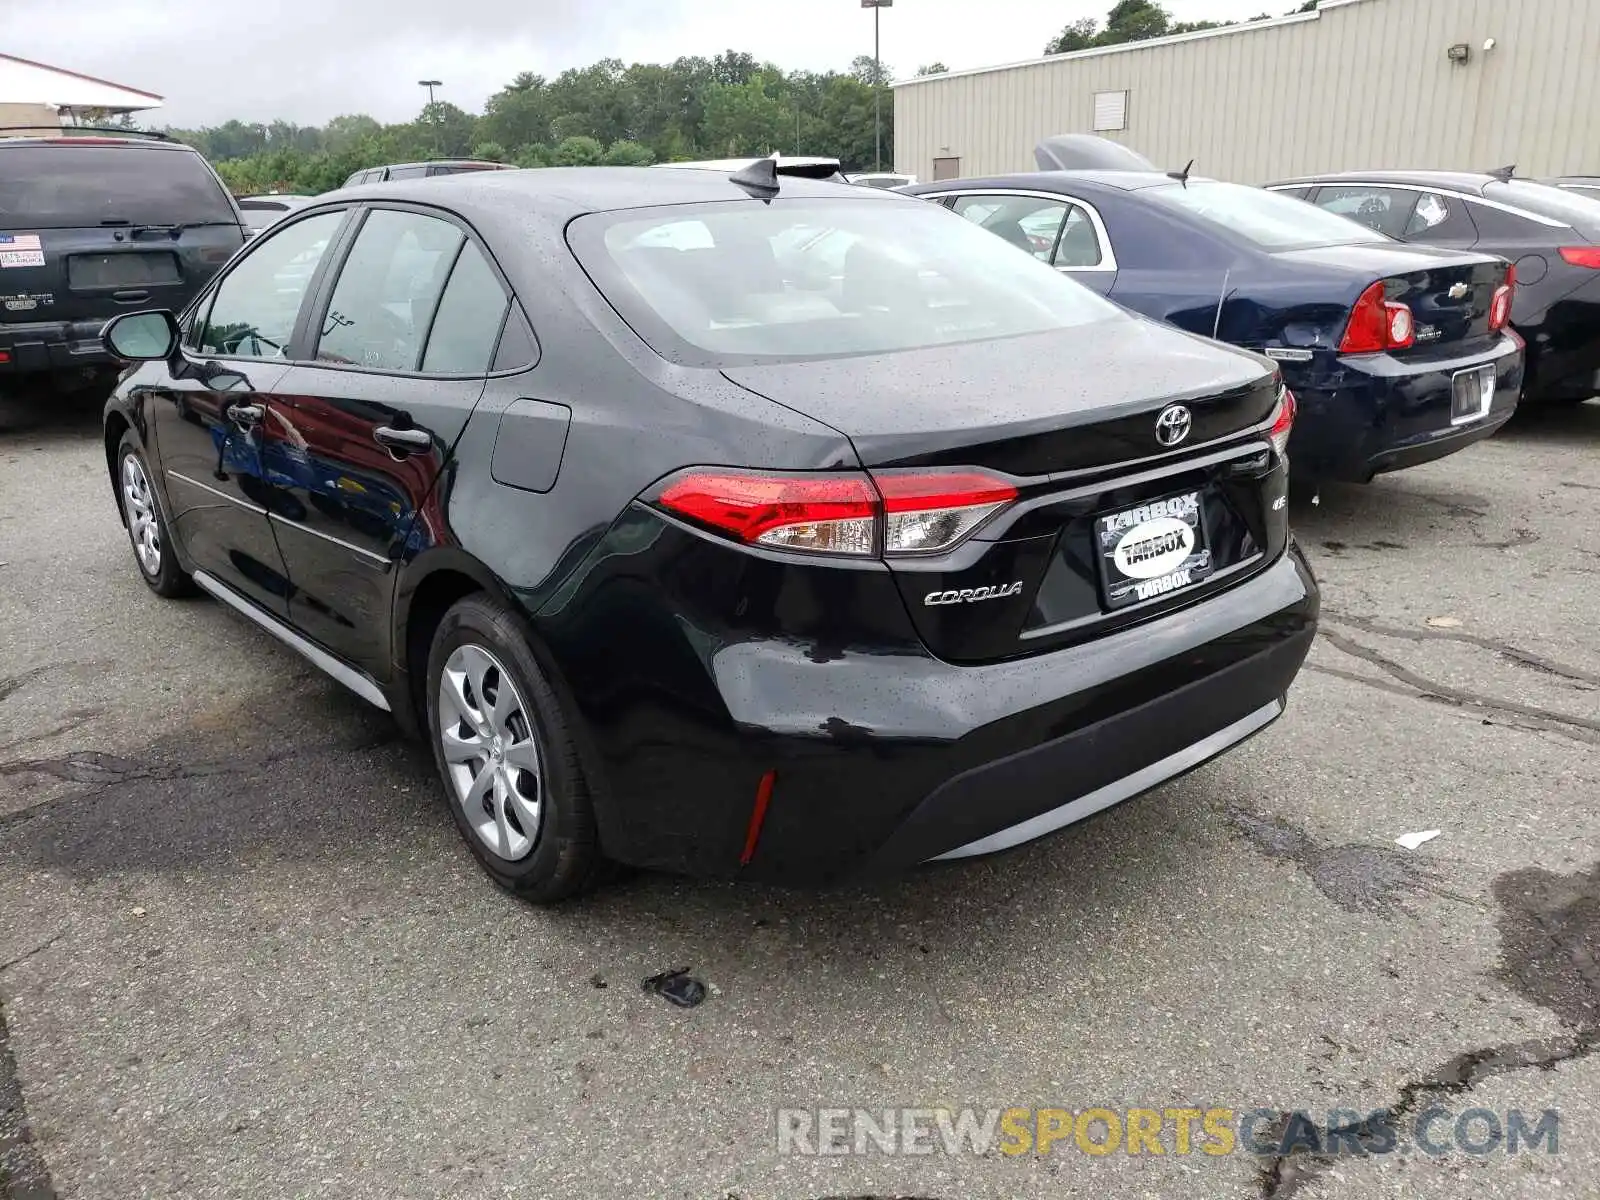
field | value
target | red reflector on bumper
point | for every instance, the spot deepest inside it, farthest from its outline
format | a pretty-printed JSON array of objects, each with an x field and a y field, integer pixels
[{"x": 758, "y": 814}]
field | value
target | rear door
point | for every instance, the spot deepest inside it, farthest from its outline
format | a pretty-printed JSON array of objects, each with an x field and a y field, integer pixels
[
  {"x": 400, "y": 343},
  {"x": 94, "y": 227}
]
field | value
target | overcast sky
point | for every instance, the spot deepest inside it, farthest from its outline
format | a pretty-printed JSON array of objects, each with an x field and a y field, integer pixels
[{"x": 308, "y": 60}]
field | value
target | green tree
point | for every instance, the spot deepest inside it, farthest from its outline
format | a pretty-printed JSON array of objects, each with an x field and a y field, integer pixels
[
  {"x": 745, "y": 118},
  {"x": 1134, "y": 21},
  {"x": 629, "y": 154},
  {"x": 519, "y": 113},
  {"x": 938, "y": 68},
  {"x": 1080, "y": 35},
  {"x": 579, "y": 152},
  {"x": 489, "y": 152}
]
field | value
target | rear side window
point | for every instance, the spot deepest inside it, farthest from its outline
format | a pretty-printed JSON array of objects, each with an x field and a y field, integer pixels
[
  {"x": 407, "y": 172},
  {"x": 388, "y": 291},
  {"x": 1263, "y": 218},
  {"x": 468, "y": 322},
  {"x": 258, "y": 303},
  {"x": 65, "y": 187}
]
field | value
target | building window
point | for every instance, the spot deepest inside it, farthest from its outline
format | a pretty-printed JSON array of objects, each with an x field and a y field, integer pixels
[{"x": 1110, "y": 111}]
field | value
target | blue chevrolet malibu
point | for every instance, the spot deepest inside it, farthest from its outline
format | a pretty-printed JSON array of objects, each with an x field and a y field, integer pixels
[{"x": 1397, "y": 354}]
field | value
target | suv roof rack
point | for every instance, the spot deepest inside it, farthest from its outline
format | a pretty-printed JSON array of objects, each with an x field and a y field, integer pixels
[{"x": 68, "y": 131}]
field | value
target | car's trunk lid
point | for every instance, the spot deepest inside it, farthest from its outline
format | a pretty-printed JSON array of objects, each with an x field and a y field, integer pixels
[
  {"x": 1110, "y": 525},
  {"x": 1448, "y": 291},
  {"x": 1035, "y": 405}
]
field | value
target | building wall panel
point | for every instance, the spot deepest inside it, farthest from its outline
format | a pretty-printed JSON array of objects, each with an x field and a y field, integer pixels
[{"x": 1361, "y": 83}]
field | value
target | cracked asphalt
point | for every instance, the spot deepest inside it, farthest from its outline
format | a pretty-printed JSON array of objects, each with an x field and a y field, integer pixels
[{"x": 243, "y": 954}]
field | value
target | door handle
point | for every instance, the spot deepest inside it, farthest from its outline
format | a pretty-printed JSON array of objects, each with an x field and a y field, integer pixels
[
  {"x": 403, "y": 439},
  {"x": 245, "y": 414}
]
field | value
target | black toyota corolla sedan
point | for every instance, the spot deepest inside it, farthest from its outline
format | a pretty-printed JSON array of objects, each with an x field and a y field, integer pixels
[{"x": 747, "y": 526}]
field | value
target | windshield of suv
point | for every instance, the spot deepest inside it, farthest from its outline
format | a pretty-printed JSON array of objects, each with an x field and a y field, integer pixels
[
  {"x": 62, "y": 187},
  {"x": 804, "y": 279},
  {"x": 1269, "y": 220}
]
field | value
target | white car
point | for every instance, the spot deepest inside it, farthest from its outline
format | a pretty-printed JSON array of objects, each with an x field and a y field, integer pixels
[
  {"x": 798, "y": 165},
  {"x": 881, "y": 179}
]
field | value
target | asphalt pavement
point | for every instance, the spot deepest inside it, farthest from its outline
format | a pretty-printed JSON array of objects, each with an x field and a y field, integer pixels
[{"x": 243, "y": 952}]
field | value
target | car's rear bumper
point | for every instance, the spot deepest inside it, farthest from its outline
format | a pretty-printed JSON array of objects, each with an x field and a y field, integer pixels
[
  {"x": 29, "y": 348},
  {"x": 1378, "y": 413},
  {"x": 794, "y": 762}
]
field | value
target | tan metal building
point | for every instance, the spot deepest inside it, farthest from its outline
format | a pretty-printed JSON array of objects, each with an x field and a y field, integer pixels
[{"x": 1459, "y": 84}]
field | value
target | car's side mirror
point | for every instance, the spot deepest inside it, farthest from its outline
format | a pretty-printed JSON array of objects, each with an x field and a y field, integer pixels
[{"x": 141, "y": 336}]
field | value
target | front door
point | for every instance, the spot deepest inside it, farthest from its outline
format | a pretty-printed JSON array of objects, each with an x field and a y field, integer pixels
[
  {"x": 208, "y": 422},
  {"x": 405, "y": 341}
]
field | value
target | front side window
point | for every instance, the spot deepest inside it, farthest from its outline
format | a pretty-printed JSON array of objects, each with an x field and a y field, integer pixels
[
  {"x": 1264, "y": 219},
  {"x": 388, "y": 291},
  {"x": 1388, "y": 210},
  {"x": 258, "y": 302},
  {"x": 809, "y": 278}
]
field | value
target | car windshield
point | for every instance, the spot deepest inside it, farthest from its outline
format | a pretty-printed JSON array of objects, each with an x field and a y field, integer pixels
[
  {"x": 1268, "y": 219},
  {"x": 810, "y": 279},
  {"x": 65, "y": 187}
]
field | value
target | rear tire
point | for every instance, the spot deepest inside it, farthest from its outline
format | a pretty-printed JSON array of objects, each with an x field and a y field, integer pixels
[
  {"x": 509, "y": 765},
  {"x": 153, "y": 552}
]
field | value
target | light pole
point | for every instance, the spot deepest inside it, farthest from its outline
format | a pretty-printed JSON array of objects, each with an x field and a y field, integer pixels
[
  {"x": 877, "y": 69},
  {"x": 430, "y": 84}
]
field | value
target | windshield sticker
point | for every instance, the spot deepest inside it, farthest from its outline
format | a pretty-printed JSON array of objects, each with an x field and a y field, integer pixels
[{"x": 20, "y": 250}]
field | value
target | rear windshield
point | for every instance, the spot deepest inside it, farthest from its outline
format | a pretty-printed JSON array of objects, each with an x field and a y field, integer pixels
[
  {"x": 1267, "y": 219},
  {"x": 62, "y": 187},
  {"x": 1581, "y": 210},
  {"x": 743, "y": 282}
]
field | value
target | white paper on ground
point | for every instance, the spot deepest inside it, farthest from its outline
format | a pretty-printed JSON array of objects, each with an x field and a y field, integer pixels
[{"x": 1412, "y": 840}]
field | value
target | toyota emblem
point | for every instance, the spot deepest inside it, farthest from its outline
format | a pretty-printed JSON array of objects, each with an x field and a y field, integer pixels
[{"x": 1173, "y": 425}]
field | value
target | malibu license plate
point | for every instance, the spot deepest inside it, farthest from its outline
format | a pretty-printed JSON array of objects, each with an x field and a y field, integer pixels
[
  {"x": 1153, "y": 550},
  {"x": 1471, "y": 394}
]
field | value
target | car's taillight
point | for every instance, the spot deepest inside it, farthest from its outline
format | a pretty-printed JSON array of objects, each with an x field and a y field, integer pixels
[
  {"x": 1582, "y": 256},
  {"x": 929, "y": 512},
  {"x": 1377, "y": 324},
  {"x": 1282, "y": 422},
  {"x": 825, "y": 514},
  {"x": 893, "y": 512},
  {"x": 1500, "y": 306}
]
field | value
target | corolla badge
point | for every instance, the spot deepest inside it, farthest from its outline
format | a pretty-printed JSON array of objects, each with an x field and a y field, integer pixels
[
  {"x": 1173, "y": 425},
  {"x": 972, "y": 595},
  {"x": 1154, "y": 548}
]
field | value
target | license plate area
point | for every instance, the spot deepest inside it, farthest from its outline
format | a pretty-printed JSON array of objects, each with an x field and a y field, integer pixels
[
  {"x": 1471, "y": 394},
  {"x": 1153, "y": 549},
  {"x": 122, "y": 270}
]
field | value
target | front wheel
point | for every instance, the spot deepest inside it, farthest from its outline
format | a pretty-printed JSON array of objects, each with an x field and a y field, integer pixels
[
  {"x": 508, "y": 762},
  {"x": 147, "y": 528}
]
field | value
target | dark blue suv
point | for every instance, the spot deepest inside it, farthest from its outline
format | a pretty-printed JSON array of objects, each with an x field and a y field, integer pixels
[{"x": 93, "y": 226}]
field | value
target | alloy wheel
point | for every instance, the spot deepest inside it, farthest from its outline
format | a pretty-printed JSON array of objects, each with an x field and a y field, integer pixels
[
  {"x": 490, "y": 748},
  {"x": 143, "y": 527}
]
